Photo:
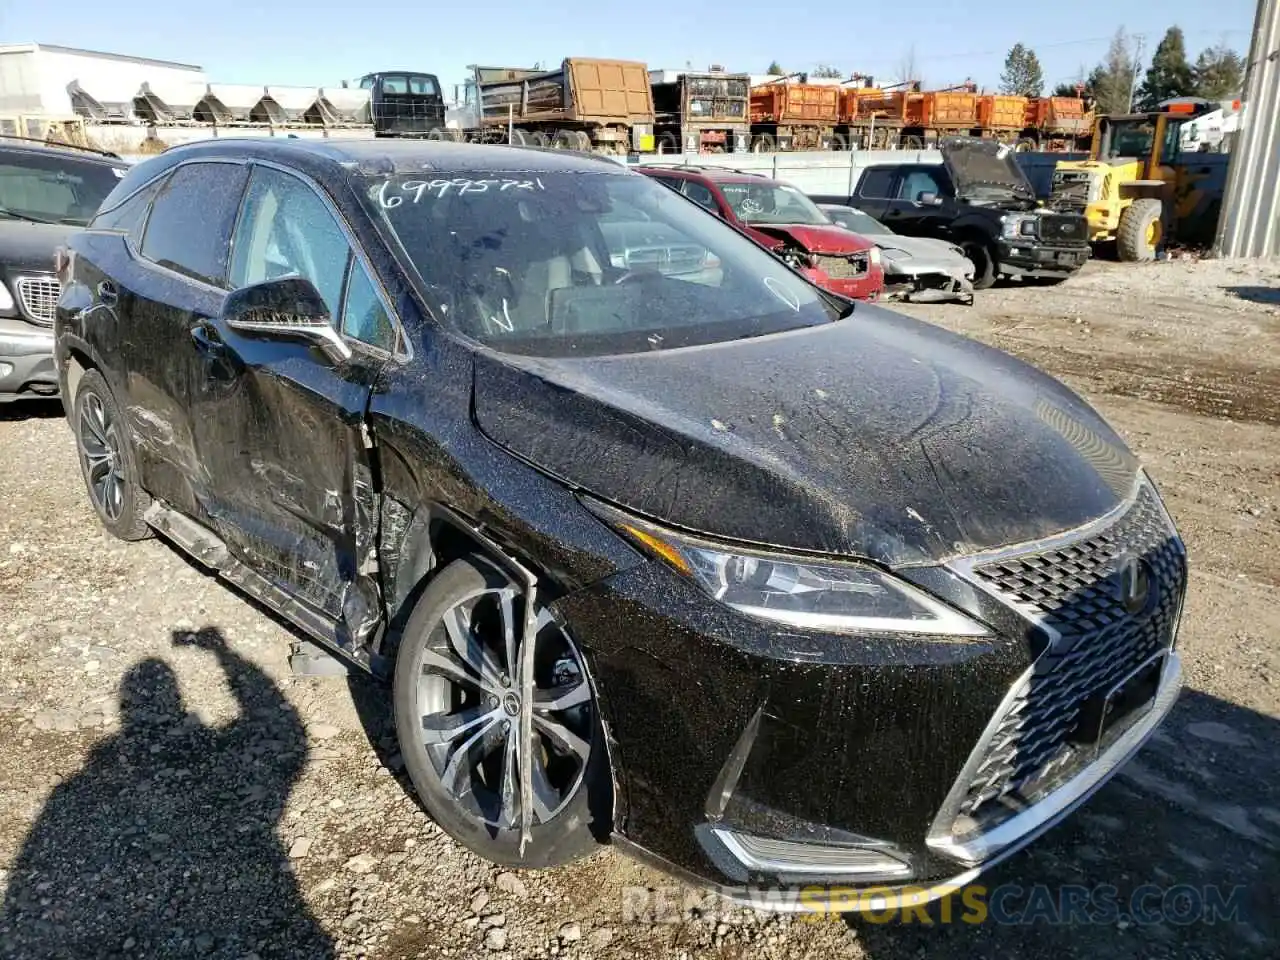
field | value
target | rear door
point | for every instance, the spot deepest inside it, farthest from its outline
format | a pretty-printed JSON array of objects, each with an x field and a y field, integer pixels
[
  {"x": 281, "y": 427},
  {"x": 875, "y": 191},
  {"x": 175, "y": 273}
]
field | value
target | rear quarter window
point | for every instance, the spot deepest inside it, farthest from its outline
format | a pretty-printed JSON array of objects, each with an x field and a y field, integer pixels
[
  {"x": 189, "y": 230},
  {"x": 129, "y": 215}
]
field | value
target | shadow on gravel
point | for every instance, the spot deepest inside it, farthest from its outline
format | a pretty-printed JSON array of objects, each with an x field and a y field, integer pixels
[
  {"x": 164, "y": 844},
  {"x": 31, "y": 410},
  {"x": 1268, "y": 295},
  {"x": 1177, "y": 857}
]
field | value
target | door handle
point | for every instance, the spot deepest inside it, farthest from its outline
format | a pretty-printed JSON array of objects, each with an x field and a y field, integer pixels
[
  {"x": 206, "y": 338},
  {"x": 107, "y": 294}
]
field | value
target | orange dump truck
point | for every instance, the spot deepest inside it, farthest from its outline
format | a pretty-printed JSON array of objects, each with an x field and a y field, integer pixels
[
  {"x": 1057, "y": 122},
  {"x": 1001, "y": 113},
  {"x": 942, "y": 110},
  {"x": 794, "y": 116}
]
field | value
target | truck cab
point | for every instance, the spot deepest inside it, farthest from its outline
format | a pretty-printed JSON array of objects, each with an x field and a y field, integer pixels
[{"x": 404, "y": 103}]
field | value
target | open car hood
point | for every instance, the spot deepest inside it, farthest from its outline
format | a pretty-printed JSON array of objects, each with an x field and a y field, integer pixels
[
  {"x": 878, "y": 436},
  {"x": 974, "y": 163}
]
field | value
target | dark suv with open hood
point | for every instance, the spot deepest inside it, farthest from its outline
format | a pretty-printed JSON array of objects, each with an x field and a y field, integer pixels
[
  {"x": 685, "y": 553},
  {"x": 980, "y": 199}
]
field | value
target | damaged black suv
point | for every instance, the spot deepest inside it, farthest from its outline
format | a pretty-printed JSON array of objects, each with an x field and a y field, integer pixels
[
  {"x": 979, "y": 199},
  {"x": 683, "y": 554}
]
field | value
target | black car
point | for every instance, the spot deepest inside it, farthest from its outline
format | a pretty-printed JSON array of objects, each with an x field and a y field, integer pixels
[
  {"x": 981, "y": 200},
  {"x": 46, "y": 192},
  {"x": 779, "y": 589}
]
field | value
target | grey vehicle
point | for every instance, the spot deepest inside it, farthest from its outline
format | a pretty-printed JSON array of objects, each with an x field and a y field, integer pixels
[
  {"x": 46, "y": 193},
  {"x": 920, "y": 269}
]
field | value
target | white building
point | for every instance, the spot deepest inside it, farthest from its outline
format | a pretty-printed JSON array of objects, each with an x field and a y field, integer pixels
[{"x": 52, "y": 81}]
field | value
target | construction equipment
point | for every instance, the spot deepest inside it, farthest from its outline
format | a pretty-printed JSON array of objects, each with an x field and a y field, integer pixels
[{"x": 1132, "y": 186}]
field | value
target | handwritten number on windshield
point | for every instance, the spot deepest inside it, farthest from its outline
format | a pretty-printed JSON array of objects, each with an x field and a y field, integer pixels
[{"x": 391, "y": 195}]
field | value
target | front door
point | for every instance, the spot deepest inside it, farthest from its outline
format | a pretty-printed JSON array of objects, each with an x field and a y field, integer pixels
[
  {"x": 281, "y": 427},
  {"x": 917, "y": 207}
]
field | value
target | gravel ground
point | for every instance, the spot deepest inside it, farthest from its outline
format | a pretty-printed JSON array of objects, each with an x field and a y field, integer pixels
[{"x": 170, "y": 789}]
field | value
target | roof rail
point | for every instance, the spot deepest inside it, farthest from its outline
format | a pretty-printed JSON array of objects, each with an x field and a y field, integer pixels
[{"x": 56, "y": 143}]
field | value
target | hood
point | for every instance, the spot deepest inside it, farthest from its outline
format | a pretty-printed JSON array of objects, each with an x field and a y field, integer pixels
[
  {"x": 816, "y": 238},
  {"x": 878, "y": 436},
  {"x": 928, "y": 248},
  {"x": 30, "y": 246},
  {"x": 975, "y": 163}
]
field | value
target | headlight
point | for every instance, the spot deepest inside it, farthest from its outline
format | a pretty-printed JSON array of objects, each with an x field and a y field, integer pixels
[
  {"x": 1014, "y": 227},
  {"x": 839, "y": 597},
  {"x": 875, "y": 256},
  {"x": 6, "y": 299}
]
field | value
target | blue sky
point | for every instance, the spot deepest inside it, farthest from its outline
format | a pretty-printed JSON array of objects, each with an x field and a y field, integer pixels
[{"x": 322, "y": 41}]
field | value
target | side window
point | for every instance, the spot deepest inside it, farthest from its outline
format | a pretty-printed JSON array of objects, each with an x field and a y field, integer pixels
[
  {"x": 366, "y": 83},
  {"x": 877, "y": 183},
  {"x": 191, "y": 221},
  {"x": 701, "y": 195},
  {"x": 395, "y": 85},
  {"x": 287, "y": 229},
  {"x": 918, "y": 182},
  {"x": 675, "y": 183},
  {"x": 363, "y": 316},
  {"x": 130, "y": 215}
]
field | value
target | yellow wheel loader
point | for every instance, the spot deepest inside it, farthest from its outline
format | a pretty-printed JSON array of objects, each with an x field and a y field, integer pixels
[{"x": 1128, "y": 188}]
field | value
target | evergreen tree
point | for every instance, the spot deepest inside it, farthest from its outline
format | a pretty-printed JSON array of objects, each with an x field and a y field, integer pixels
[
  {"x": 1169, "y": 75},
  {"x": 775, "y": 69},
  {"x": 1219, "y": 74},
  {"x": 827, "y": 71},
  {"x": 1022, "y": 74}
]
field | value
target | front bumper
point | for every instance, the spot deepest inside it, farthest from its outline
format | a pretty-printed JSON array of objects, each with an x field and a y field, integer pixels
[
  {"x": 869, "y": 286},
  {"x": 784, "y": 769},
  {"x": 26, "y": 361},
  {"x": 1022, "y": 259}
]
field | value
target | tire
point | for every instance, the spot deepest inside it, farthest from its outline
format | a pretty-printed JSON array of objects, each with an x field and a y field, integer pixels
[
  {"x": 519, "y": 138},
  {"x": 839, "y": 141},
  {"x": 764, "y": 143},
  {"x": 984, "y": 262},
  {"x": 102, "y": 444},
  {"x": 1140, "y": 232},
  {"x": 436, "y": 133},
  {"x": 427, "y": 701},
  {"x": 668, "y": 143},
  {"x": 539, "y": 139}
]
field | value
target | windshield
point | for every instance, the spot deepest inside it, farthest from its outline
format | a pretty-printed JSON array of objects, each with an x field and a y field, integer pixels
[
  {"x": 771, "y": 202},
  {"x": 573, "y": 263},
  {"x": 53, "y": 189},
  {"x": 857, "y": 221}
]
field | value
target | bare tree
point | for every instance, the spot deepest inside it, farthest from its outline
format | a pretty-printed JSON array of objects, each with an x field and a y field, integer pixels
[{"x": 908, "y": 67}]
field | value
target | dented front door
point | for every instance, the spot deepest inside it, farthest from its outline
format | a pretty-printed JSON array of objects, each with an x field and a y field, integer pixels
[{"x": 280, "y": 426}]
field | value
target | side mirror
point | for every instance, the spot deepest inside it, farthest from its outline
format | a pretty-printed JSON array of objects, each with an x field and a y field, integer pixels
[
  {"x": 285, "y": 308},
  {"x": 928, "y": 199}
]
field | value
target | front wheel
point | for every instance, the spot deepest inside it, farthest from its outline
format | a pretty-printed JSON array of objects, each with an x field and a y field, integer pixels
[
  {"x": 457, "y": 693},
  {"x": 983, "y": 259},
  {"x": 1140, "y": 232}
]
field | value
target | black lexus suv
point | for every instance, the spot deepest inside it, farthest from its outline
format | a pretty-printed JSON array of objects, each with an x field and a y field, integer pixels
[
  {"x": 46, "y": 192},
  {"x": 979, "y": 199},
  {"x": 683, "y": 554}
]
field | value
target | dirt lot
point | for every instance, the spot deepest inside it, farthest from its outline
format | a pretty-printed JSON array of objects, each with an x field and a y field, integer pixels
[{"x": 169, "y": 789}]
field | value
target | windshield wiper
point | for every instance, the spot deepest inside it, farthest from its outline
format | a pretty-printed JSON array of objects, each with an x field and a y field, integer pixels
[{"x": 6, "y": 212}]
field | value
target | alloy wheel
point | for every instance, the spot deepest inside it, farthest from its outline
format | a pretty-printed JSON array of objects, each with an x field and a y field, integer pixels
[
  {"x": 100, "y": 448},
  {"x": 469, "y": 702}
]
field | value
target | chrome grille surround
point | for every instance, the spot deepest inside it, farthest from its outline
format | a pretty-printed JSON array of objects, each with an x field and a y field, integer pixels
[
  {"x": 38, "y": 298},
  {"x": 1031, "y": 763}
]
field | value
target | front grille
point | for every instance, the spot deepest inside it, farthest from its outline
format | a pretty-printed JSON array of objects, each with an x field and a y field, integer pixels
[
  {"x": 1074, "y": 592},
  {"x": 39, "y": 298},
  {"x": 845, "y": 267},
  {"x": 1063, "y": 228},
  {"x": 674, "y": 259}
]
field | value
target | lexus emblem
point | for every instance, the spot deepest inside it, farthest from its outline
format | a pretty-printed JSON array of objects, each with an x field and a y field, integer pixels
[{"x": 1134, "y": 584}]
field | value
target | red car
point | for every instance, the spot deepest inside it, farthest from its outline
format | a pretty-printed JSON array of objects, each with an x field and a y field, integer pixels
[{"x": 780, "y": 217}]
